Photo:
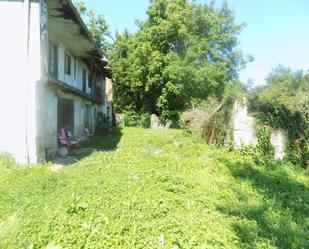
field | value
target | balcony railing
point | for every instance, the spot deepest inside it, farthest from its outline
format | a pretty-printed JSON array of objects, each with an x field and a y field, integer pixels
[{"x": 96, "y": 96}]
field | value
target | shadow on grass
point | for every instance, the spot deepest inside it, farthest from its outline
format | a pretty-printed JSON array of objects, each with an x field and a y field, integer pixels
[
  {"x": 103, "y": 140},
  {"x": 106, "y": 139},
  {"x": 279, "y": 216}
]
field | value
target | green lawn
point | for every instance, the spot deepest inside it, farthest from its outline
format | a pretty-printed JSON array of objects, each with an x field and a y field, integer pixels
[{"x": 154, "y": 189}]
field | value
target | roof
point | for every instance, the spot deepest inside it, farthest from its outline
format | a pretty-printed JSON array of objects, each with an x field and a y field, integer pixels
[{"x": 65, "y": 22}]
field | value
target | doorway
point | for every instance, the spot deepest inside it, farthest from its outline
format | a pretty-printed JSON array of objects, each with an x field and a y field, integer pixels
[{"x": 65, "y": 114}]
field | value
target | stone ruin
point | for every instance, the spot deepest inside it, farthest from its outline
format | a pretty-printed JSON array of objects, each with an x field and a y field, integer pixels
[
  {"x": 156, "y": 122},
  {"x": 245, "y": 130}
]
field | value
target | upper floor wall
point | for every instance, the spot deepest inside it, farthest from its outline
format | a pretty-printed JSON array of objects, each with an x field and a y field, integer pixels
[
  {"x": 73, "y": 57},
  {"x": 65, "y": 67}
]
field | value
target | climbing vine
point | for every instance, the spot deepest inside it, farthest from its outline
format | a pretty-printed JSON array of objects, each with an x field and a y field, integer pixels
[
  {"x": 263, "y": 152},
  {"x": 283, "y": 103}
]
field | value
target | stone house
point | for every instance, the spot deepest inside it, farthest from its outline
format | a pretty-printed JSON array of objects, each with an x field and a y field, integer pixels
[{"x": 52, "y": 76}]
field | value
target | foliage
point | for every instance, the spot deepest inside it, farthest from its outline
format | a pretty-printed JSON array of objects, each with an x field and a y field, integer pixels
[
  {"x": 264, "y": 145},
  {"x": 155, "y": 189},
  {"x": 193, "y": 119},
  {"x": 218, "y": 128},
  {"x": 6, "y": 160},
  {"x": 263, "y": 152},
  {"x": 103, "y": 121},
  {"x": 212, "y": 119},
  {"x": 181, "y": 53},
  {"x": 96, "y": 24},
  {"x": 283, "y": 103},
  {"x": 137, "y": 120}
]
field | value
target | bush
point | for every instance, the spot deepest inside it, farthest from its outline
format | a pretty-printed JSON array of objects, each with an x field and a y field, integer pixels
[
  {"x": 137, "y": 121},
  {"x": 263, "y": 152},
  {"x": 7, "y": 160}
]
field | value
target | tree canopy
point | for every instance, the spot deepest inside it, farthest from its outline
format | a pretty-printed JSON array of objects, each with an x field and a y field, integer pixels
[
  {"x": 181, "y": 53},
  {"x": 289, "y": 89},
  {"x": 286, "y": 89}
]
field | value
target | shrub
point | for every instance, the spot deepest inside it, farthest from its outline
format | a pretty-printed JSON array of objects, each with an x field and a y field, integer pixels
[
  {"x": 263, "y": 152},
  {"x": 7, "y": 160},
  {"x": 142, "y": 120}
]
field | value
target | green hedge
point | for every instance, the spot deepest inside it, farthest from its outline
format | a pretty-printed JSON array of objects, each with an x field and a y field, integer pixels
[{"x": 137, "y": 121}]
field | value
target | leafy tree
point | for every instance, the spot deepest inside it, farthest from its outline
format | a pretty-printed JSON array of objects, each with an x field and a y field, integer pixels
[
  {"x": 287, "y": 89},
  {"x": 121, "y": 64},
  {"x": 181, "y": 53}
]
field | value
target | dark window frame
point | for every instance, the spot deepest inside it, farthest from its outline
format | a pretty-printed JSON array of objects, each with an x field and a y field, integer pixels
[
  {"x": 84, "y": 80},
  {"x": 67, "y": 64},
  {"x": 75, "y": 69},
  {"x": 53, "y": 59}
]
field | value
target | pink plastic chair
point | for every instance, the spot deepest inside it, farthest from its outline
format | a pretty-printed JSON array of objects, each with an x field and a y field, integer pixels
[{"x": 62, "y": 138}]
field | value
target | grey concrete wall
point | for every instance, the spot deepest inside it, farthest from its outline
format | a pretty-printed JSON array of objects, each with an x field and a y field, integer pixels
[
  {"x": 245, "y": 130},
  {"x": 50, "y": 120},
  {"x": 79, "y": 118}
]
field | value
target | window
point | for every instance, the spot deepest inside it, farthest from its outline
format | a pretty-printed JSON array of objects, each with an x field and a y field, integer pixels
[
  {"x": 84, "y": 80},
  {"x": 89, "y": 80},
  {"x": 75, "y": 69},
  {"x": 88, "y": 118},
  {"x": 67, "y": 64},
  {"x": 53, "y": 59}
]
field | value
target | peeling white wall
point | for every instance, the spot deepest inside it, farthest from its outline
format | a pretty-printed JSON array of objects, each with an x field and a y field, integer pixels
[
  {"x": 278, "y": 140},
  {"x": 50, "y": 120},
  {"x": 245, "y": 132}
]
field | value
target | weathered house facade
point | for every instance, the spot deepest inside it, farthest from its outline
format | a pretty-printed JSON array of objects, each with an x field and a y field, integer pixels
[{"x": 53, "y": 76}]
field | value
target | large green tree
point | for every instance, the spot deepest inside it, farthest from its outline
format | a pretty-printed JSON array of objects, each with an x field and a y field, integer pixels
[{"x": 182, "y": 52}]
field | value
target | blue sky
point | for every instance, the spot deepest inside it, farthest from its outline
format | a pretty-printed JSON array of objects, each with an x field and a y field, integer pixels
[{"x": 277, "y": 31}]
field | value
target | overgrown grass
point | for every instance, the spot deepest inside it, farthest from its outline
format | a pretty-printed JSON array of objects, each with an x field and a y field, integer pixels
[{"x": 155, "y": 189}]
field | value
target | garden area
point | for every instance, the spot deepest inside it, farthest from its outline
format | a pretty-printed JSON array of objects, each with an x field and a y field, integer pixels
[{"x": 154, "y": 188}]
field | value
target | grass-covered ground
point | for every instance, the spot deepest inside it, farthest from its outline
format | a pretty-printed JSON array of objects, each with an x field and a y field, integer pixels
[{"x": 154, "y": 189}]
